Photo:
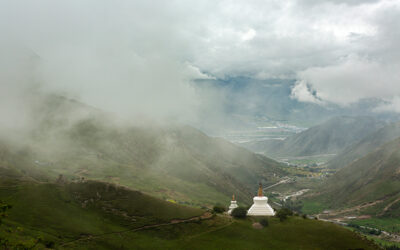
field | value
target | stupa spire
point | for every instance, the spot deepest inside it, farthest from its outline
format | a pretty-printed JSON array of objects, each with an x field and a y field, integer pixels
[{"x": 260, "y": 191}]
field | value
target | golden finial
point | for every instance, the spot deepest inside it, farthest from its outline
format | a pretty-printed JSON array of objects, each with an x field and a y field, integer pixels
[
  {"x": 260, "y": 191},
  {"x": 233, "y": 197}
]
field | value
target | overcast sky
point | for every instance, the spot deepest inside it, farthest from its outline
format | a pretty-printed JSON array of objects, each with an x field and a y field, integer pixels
[{"x": 142, "y": 55}]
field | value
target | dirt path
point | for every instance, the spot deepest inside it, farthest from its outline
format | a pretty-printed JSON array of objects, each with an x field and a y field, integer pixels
[
  {"x": 285, "y": 180},
  {"x": 295, "y": 194},
  {"x": 351, "y": 209},
  {"x": 337, "y": 218},
  {"x": 389, "y": 205},
  {"x": 205, "y": 216},
  {"x": 209, "y": 231},
  {"x": 80, "y": 172}
]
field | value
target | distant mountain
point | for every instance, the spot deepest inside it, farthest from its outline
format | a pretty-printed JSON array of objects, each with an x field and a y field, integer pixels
[
  {"x": 248, "y": 103},
  {"x": 330, "y": 137},
  {"x": 368, "y": 144},
  {"x": 373, "y": 179},
  {"x": 168, "y": 161}
]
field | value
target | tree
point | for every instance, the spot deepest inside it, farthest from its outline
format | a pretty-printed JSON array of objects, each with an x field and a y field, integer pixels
[
  {"x": 293, "y": 205},
  {"x": 218, "y": 209},
  {"x": 283, "y": 213},
  {"x": 239, "y": 212},
  {"x": 264, "y": 222},
  {"x": 3, "y": 210}
]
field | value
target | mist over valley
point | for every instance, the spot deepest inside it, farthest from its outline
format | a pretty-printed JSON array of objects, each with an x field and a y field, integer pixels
[{"x": 199, "y": 124}]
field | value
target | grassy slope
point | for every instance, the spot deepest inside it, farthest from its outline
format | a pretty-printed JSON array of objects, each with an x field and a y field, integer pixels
[
  {"x": 199, "y": 169},
  {"x": 387, "y": 224},
  {"x": 367, "y": 145},
  {"x": 174, "y": 162},
  {"x": 296, "y": 233},
  {"x": 372, "y": 181},
  {"x": 102, "y": 216},
  {"x": 62, "y": 213},
  {"x": 373, "y": 177},
  {"x": 55, "y": 213},
  {"x": 293, "y": 234},
  {"x": 329, "y": 137}
]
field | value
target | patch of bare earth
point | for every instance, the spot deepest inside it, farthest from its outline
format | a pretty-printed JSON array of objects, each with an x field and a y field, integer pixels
[{"x": 257, "y": 225}]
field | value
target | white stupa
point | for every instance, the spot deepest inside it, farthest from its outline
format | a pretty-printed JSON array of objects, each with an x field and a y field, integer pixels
[
  {"x": 260, "y": 206},
  {"x": 233, "y": 205}
]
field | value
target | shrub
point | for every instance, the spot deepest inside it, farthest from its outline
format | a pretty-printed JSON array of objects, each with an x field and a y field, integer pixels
[
  {"x": 293, "y": 205},
  {"x": 239, "y": 212},
  {"x": 49, "y": 244},
  {"x": 393, "y": 247},
  {"x": 375, "y": 231},
  {"x": 283, "y": 213},
  {"x": 304, "y": 216},
  {"x": 365, "y": 229},
  {"x": 3, "y": 210},
  {"x": 218, "y": 209},
  {"x": 264, "y": 222}
]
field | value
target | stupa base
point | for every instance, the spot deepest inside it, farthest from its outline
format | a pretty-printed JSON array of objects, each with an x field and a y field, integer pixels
[{"x": 260, "y": 207}]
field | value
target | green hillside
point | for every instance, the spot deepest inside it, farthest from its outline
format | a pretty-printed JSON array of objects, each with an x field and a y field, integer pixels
[
  {"x": 329, "y": 137},
  {"x": 369, "y": 186},
  {"x": 64, "y": 212},
  {"x": 370, "y": 178},
  {"x": 170, "y": 162},
  {"x": 368, "y": 144},
  {"x": 95, "y": 215},
  {"x": 52, "y": 205},
  {"x": 221, "y": 233},
  {"x": 296, "y": 233}
]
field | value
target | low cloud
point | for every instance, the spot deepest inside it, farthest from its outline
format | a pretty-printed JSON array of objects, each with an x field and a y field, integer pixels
[
  {"x": 351, "y": 80},
  {"x": 303, "y": 92},
  {"x": 390, "y": 106}
]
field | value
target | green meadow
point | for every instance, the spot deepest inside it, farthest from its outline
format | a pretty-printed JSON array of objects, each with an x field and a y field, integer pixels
[{"x": 98, "y": 215}]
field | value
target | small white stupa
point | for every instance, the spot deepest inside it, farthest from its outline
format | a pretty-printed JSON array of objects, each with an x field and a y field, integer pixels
[
  {"x": 233, "y": 205},
  {"x": 260, "y": 206}
]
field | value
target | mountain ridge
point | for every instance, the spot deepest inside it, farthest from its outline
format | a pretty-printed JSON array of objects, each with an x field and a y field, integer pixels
[
  {"x": 366, "y": 145},
  {"x": 330, "y": 137},
  {"x": 374, "y": 177}
]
